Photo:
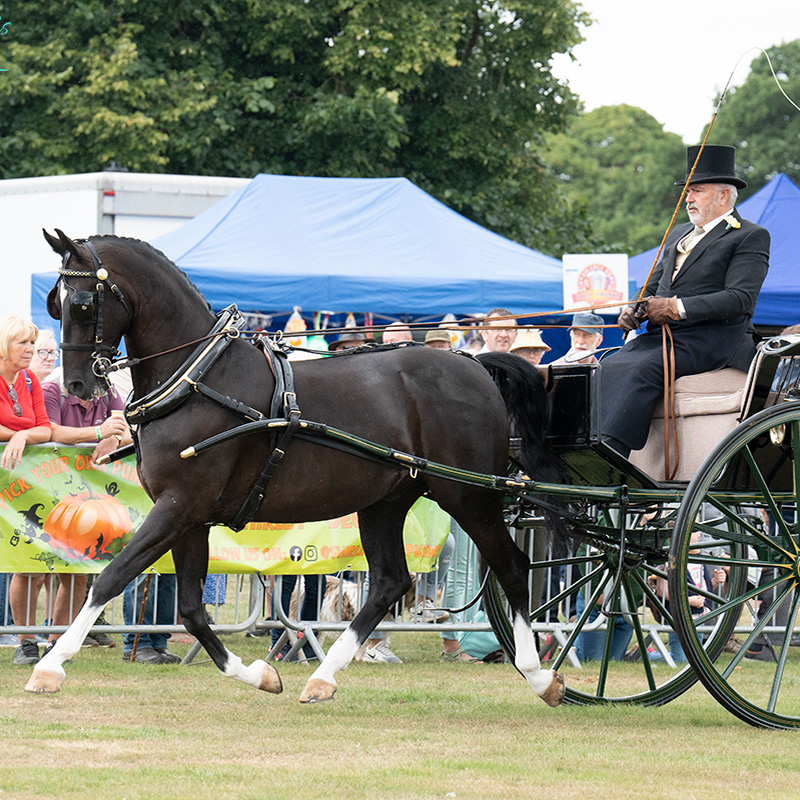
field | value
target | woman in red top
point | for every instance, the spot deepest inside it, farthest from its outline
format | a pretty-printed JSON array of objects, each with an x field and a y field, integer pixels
[{"x": 23, "y": 418}]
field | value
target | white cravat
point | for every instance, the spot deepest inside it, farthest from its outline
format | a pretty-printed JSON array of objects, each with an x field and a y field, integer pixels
[{"x": 686, "y": 245}]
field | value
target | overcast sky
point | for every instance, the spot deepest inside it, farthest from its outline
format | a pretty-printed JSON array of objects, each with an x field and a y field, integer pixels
[{"x": 672, "y": 59}]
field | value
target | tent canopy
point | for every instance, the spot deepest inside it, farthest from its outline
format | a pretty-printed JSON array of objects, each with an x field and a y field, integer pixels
[
  {"x": 355, "y": 244},
  {"x": 350, "y": 244},
  {"x": 776, "y": 206}
]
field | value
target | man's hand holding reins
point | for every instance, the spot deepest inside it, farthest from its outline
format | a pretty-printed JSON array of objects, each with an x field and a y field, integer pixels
[
  {"x": 662, "y": 309},
  {"x": 628, "y": 319}
]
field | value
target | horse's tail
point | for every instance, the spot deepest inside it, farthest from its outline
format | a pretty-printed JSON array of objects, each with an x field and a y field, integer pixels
[{"x": 528, "y": 406}]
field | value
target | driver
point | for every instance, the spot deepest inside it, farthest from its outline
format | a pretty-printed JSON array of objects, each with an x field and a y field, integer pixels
[{"x": 704, "y": 287}]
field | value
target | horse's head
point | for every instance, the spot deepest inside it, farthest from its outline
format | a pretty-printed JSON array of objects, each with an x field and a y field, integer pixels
[{"x": 93, "y": 312}]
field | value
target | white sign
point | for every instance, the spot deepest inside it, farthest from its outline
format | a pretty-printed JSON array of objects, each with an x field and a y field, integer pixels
[{"x": 595, "y": 280}]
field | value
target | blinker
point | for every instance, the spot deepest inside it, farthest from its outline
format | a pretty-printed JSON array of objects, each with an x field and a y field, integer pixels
[
  {"x": 83, "y": 307},
  {"x": 53, "y": 307}
]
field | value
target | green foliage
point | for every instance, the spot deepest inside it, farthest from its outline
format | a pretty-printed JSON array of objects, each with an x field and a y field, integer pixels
[
  {"x": 457, "y": 95},
  {"x": 619, "y": 164},
  {"x": 761, "y": 122}
]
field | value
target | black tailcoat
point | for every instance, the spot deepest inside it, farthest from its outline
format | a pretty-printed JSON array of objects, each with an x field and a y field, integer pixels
[{"x": 719, "y": 284}]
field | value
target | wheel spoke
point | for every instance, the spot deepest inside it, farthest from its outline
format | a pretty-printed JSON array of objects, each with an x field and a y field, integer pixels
[
  {"x": 779, "y": 670},
  {"x": 737, "y": 601},
  {"x": 553, "y": 602},
  {"x": 584, "y": 618},
  {"x": 757, "y": 628},
  {"x": 655, "y": 599},
  {"x": 611, "y": 624},
  {"x": 773, "y": 506},
  {"x": 739, "y": 520},
  {"x": 640, "y": 638}
]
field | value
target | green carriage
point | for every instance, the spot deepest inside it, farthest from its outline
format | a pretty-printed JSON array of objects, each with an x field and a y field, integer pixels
[{"x": 705, "y": 569}]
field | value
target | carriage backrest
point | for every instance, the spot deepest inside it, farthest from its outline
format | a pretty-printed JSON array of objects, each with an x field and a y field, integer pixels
[{"x": 707, "y": 407}]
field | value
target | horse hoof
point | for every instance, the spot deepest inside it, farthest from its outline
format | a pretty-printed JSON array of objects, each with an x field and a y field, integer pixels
[
  {"x": 317, "y": 691},
  {"x": 270, "y": 680},
  {"x": 553, "y": 695},
  {"x": 44, "y": 682}
]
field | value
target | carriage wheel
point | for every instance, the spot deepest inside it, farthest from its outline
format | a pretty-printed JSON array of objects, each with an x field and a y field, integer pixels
[
  {"x": 756, "y": 468},
  {"x": 630, "y": 660}
]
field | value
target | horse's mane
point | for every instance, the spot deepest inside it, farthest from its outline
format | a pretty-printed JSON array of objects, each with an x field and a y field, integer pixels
[{"x": 146, "y": 250}]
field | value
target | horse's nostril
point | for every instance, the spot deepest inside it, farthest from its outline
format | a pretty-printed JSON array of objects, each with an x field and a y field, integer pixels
[{"x": 77, "y": 388}]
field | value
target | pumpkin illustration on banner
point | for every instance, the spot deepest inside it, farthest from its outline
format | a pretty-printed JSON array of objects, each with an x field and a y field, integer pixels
[{"x": 85, "y": 524}]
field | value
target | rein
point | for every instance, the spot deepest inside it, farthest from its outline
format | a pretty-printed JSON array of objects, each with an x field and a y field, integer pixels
[
  {"x": 670, "y": 423},
  {"x": 124, "y": 363}
]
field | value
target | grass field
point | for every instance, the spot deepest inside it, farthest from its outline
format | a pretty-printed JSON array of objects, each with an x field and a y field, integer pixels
[{"x": 418, "y": 730}]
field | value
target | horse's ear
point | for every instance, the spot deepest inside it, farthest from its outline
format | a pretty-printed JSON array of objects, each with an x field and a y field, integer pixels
[
  {"x": 53, "y": 242},
  {"x": 68, "y": 244},
  {"x": 63, "y": 244}
]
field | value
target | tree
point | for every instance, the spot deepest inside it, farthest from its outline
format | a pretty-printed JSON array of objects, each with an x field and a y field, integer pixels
[
  {"x": 454, "y": 94},
  {"x": 760, "y": 122},
  {"x": 619, "y": 164}
]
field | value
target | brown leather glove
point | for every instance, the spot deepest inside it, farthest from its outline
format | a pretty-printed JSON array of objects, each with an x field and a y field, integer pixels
[
  {"x": 662, "y": 309},
  {"x": 627, "y": 320}
]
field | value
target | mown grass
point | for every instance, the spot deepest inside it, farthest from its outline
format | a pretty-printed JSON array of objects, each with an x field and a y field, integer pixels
[{"x": 420, "y": 730}]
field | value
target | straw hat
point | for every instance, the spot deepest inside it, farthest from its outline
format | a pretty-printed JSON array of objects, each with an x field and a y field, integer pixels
[
  {"x": 437, "y": 335},
  {"x": 528, "y": 337}
]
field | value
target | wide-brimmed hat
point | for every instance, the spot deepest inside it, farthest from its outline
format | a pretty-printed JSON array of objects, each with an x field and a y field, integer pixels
[
  {"x": 583, "y": 320},
  {"x": 716, "y": 165},
  {"x": 528, "y": 337},
  {"x": 348, "y": 339},
  {"x": 437, "y": 335}
]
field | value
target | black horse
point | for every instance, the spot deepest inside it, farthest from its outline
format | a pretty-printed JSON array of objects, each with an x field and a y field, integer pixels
[{"x": 436, "y": 405}]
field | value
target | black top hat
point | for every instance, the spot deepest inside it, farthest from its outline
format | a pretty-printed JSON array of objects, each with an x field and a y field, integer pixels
[{"x": 716, "y": 165}]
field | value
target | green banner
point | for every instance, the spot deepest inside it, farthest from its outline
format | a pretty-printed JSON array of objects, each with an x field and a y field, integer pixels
[{"x": 60, "y": 513}]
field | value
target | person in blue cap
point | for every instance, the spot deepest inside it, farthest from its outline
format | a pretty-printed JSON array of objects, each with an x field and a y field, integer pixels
[
  {"x": 704, "y": 287},
  {"x": 585, "y": 335}
]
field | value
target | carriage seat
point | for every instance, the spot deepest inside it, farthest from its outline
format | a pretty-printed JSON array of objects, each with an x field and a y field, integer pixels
[{"x": 707, "y": 408}]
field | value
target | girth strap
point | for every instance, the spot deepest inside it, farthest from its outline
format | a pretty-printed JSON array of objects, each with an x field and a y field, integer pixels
[{"x": 284, "y": 403}]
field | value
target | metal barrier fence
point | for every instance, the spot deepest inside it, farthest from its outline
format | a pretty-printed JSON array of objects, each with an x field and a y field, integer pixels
[
  {"x": 327, "y": 603},
  {"x": 38, "y": 595}
]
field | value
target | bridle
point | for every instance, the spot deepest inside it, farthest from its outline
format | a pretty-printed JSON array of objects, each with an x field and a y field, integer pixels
[{"x": 86, "y": 307}]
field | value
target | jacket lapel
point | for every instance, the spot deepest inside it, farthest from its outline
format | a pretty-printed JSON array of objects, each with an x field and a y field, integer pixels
[{"x": 717, "y": 232}]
